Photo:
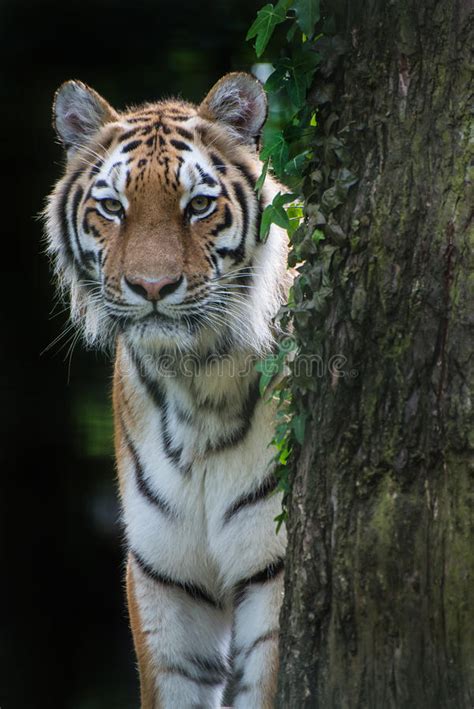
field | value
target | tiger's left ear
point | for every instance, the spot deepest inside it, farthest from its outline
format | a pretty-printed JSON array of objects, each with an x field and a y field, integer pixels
[
  {"x": 78, "y": 113},
  {"x": 239, "y": 101}
]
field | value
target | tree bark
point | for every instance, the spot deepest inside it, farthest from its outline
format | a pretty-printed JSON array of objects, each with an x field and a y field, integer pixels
[{"x": 379, "y": 594}]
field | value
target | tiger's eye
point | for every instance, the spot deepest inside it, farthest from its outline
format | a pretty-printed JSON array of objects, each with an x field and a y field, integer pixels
[
  {"x": 112, "y": 206},
  {"x": 199, "y": 204}
]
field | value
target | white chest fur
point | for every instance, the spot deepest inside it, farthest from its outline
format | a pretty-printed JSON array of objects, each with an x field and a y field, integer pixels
[{"x": 196, "y": 462}]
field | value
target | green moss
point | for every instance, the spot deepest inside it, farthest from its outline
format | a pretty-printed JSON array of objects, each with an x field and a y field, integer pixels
[{"x": 459, "y": 555}]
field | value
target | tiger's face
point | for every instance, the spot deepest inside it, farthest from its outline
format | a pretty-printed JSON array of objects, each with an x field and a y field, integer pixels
[{"x": 155, "y": 225}]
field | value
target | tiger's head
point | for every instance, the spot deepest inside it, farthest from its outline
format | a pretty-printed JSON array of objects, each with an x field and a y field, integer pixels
[{"x": 154, "y": 227}]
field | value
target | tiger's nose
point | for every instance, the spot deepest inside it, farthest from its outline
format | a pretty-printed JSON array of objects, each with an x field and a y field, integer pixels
[{"x": 153, "y": 288}]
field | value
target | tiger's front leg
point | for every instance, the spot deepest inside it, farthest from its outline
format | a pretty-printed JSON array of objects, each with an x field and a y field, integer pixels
[
  {"x": 181, "y": 639},
  {"x": 251, "y": 556},
  {"x": 256, "y": 622}
]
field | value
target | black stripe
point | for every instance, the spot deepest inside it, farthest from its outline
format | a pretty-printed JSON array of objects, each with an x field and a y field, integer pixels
[
  {"x": 224, "y": 224},
  {"x": 172, "y": 452},
  {"x": 158, "y": 397},
  {"x": 84, "y": 257},
  {"x": 207, "y": 179},
  {"x": 208, "y": 680},
  {"x": 142, "y": 118},
  {"x": 238, "y": 253},
  {"x": 178, "y": 169},
  {"x": 96, "y": 168},
  {"x": 118, "y": 163},
  {"x": 178, "y": 116},
  {"x": 197, "y": 593},
  {"x": 247, "y": 174},
  {"x": 246, "y": 417},
  {"x": 184, "y": 133},
  {"x": 184, "y": 416},
  {"x": 130, "y": 133},
  {"x": 101, "y": 183},
  {"x": 265, "y": 637},
  {"x": 62, "y": 214},
  {"x": 91, "y": 229},
  {"x": 213, "y": 258},
  {"x": 142, "y": 484},
  {"x": 224, "y": 192},
  {"x": 261, "y": 493},
  {"x": 238, "y": 686},
  {"x": 131, "y": 146},
  {"x": 154, "y": 390},
  {"x": 214, "y": 665},
  {"x": 269, "y": 573},
  {"x": 218, "y": 164},
  {"x": 180, "y": 145}
]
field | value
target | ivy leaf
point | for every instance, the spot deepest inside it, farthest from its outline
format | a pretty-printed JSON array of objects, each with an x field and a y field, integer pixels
[
  {"x": 331, "y": 199},
  {"x": 265, "y": 380},
  {"x": 277, "y": 79},
  {"x": 265, "y": 22},
  {"x": 301, "y": 70},
  {"x": 295, "y": 165},
  {"x": 307, "y": 14},
  {"x": 295, "y": 214},
  {"x": 275, "y": 213},
  {"x": 280, "y": 519},
  {"x": 317, "y": 236},
  {"x": 298, "y": 424},
  {"x": 261, "y": 179},
  {"x": 291, "y": 32},
  {"x": 276, "y": 149}
]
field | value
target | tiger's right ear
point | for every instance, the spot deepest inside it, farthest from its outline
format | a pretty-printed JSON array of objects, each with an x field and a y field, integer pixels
[
  {"x": 78, "y": 113},
  {"x": 239, "y": 101}
]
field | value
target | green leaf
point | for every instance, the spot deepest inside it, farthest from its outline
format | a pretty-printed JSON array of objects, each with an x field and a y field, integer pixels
[
  {"x": 317, "y": 236},
  {"x": 295, "y": 165},
  {"x": 261, "y": 179},
  {"x": 280, "y": 519},
  {"x": 275, "y": 213},
  {"x": 284, "y": 455},
  {"x": 298, "y": 424},
  {"x": 269, "y": 368},
  {"x": 265, "y": 22},
  {"x": 277, "y": 149},
  {"x": 280, "y": 199},
  {"x": 295, "y": 214},
  {"x": 301, "y": 70},
  {"x": 267, "y": 221},
  {"x": 265, "y": 380},
  {"x": 291, "y": 32},
  {"x": 331, "y": 199},
  {"x": 307, "y": 14},
  {"x": 277, "y": 79}
]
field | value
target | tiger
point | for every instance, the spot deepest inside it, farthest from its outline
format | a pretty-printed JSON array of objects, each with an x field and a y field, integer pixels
[{"x": 154, "y": 234}]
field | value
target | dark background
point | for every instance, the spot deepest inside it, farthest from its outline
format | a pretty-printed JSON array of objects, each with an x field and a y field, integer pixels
[{"x": 64, "y": 637}]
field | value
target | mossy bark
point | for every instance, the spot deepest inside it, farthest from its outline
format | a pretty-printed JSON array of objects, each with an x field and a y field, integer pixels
[{"x": 379, "y": 597}]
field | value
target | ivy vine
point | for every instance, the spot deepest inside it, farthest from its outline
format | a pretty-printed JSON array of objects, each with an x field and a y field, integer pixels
[{"x": 308, "y": 152}]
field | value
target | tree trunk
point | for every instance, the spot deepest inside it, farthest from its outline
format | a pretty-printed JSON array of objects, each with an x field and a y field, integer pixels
[{"x": 379, "y": 597}]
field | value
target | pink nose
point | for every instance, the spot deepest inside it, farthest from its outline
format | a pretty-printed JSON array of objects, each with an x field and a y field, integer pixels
[{"x": 153, "y": 288}]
